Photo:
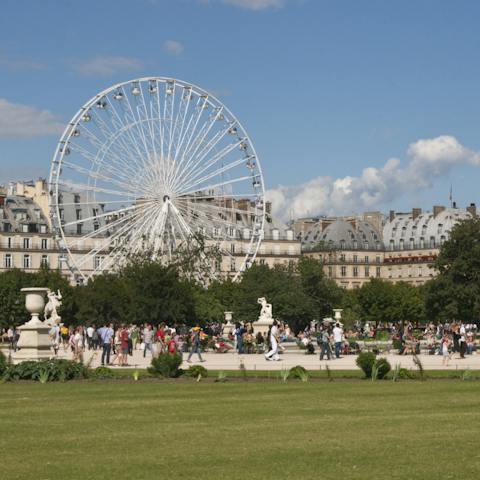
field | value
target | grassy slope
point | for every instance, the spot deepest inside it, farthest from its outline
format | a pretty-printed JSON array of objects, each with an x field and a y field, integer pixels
[{"x": 355, "y": 430}]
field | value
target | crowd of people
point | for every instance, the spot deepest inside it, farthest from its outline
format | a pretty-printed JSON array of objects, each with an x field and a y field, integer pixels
[{"x": 117, "y": 343}]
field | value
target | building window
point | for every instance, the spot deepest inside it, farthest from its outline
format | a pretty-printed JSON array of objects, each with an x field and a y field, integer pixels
[
  {"x": 97, "y": 262},
  {"x": 262, "y": 261},
  {"x": 78, "y": 213},
  {"x": 367, "y": 272},
  {"x": 377, "y": 272},
  {"x": 330, "y": 271},
  {"x": 62, "y": 214},
  {"x": 355, "y": 259},
  {"x": 355, "y": 244},
  {"x": 419, "y": 271},
  {"x": 8, "y": 263},
  {"x": 215, "y": 232},
  {"x": 432, "y": 242},
  {"x": 343, "y": 271},
  {"x": 79, "y": 229},
  {"x": 355, "y": 271},
  {"x": 377, "y": 259},
  {"x": 76, "y": 198},
  {"x": 43, "y": 229},
  {"x": 367, "y": 260},
  {"x": 342, "y": 257},
  {"x": 27, "y": 261},
  {"x": 401, "y": 244},
  {"x": 95, "y": 226},
  {"x": 218, "y": 264},
  {"x": 422, "y": 242},
  {"x": 44, "y": 243},
  {"x": 45, "y": 260},
  {"x": 392, "y": 244},
  {"x": 412, "y": 243},
  {"x": 342, "y": 244},
  {"x": 233, "y": 268},
  {"x": 366, "y": 245},
  {"x": 25, "y": 228},
  {"x": 442, "y": 239},
  {"x": 26, "y": 243},
  {"x": 9, "y": 242}
]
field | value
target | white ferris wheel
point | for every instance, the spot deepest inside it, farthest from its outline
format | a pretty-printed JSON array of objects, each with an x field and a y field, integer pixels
[{"x": 151, "y": 165}]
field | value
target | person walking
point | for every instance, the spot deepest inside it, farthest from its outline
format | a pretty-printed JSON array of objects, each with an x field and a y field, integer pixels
[
  {"x": 239, "y": 332},
  {"x": 147, "y": 340},
  {"x": 325, "y": 343},
  {"x": 106, "y": 334},
  {"x": 274, "y": 341},
  {"x": 338, "y": 339},
  {"x": 445, "y": 352},
  {"x": 195, "y": 337}
]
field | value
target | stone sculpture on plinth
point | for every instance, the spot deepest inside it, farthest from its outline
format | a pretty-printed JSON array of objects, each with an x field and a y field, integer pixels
[
  {"x": 265, "y": 319},
  {"x": 34, "y": 342},
  {"x": 51, "y": 315}
]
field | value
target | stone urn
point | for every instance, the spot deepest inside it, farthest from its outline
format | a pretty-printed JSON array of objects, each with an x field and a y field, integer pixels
[
  {"x": 34, "y": 342},
  {"x": 338, "y": 314},
  {"x": 228, "y": 326}
]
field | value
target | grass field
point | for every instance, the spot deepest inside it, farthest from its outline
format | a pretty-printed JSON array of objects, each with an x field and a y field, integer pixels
[{"x": 240, "y": 430}]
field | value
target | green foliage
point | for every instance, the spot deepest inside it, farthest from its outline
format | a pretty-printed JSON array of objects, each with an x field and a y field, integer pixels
[
  {"x": 382, "y": 366},
  {"x": 284, "y": 374},
  {"x": 396, "y": 373},
  {"x": 13, "y": 310},
  {"x": 48, "y": 370},
  {"x": 418, "y": 363},
  {"x": 384, "y": 301},
  {"x": 195, "y": 370},
  {"x": 455, "y": 292},
  {"x": 3, "y": 363},
  {"x": 136, "y": 375},
  {"x": 166, "y": 365},
  {"x": 365, "y": 361},
  {"x": 299, "y": 372},
  {"x": 101, "y": 373},
  {"x": 221, "y": 377},
  {"x": 468, "y": 375}
]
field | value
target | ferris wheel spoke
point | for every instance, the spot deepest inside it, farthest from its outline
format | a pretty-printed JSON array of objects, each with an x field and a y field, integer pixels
[
  {"x": 225, "y": 209},
  {"x": 103, "y": 215},
  {"x": 198, "y": 157},
  {"x": 116, "y": 141},
  {"x": 192, "y": 150},
  {"x": 120, "y": 125},
  {"x": 99, "y": 176},
  {"x": 118, "y": 233},
  {"x": 217, "y": 185},
  {"x": 191, "y": 129},
  {"x": 215, "y": 159},
  {"x": 82, "y": 187},
  {"x": 216, "y": 173}
]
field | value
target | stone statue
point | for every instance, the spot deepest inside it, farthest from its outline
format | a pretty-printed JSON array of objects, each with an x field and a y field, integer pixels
[
  {"x": 265, "y": 319},
  {"x": 54, "y": 302},
  {"x": 266, "y": 311}
]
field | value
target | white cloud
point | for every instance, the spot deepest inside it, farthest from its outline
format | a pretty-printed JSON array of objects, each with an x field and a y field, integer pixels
[
  {"x": 19, "y": 65},
  {"x": 427, "y": 159},
  {"x": 250, "y": 4},
  {"x": 24, "y": 121},
  {"x": 173, "y": 47},
  {"x": 105, "y": 66}
]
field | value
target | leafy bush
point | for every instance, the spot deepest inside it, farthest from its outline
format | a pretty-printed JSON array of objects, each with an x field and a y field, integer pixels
[
  {"x": 52, "y": 370},
  {"x": 383, "y": 367},
  {"x": 101, "y": 373},
  {"x": 196, "y": 370},
  {"x": 299, "y": 372},
  {"x": 3, "y": 364},
  {"x": 365, "y": 361},
  {"x": 221, "y": 377},
  {"x": 405, "y": 373},
  {"x": 166, "y": 365}
]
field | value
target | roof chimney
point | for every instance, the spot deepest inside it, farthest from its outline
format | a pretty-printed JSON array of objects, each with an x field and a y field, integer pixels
[
  {"x": 416, "y": 212},
  {"x": 472, "y": 209},
  {"x": 437, "y": 209},
  {"x": 392, "y": 215}
]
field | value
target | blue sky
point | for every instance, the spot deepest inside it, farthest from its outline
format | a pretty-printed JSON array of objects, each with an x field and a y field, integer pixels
[{"x": 329, "y": 91}]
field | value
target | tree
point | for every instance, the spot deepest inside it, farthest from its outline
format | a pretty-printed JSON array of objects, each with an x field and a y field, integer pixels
[{"x": 455, "y": 293}]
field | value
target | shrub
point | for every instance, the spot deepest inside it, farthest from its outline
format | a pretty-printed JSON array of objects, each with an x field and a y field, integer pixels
[
  {"x": 3, "y": 364},
  {"x": 195, "y": 370},
  {"x": 365, "y": 361},
  {"x": 299, "y": 372},
  {"x": 101, "y": 373},
  {"x": 52, "y": 370},
  {"x": 405, "y": 373},
  {"x": 383, "y": 367},
  {"x": 166, "y": 365}
]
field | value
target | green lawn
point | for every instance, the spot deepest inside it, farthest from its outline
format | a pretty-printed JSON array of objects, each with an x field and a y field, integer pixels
[{"x": 240, "y": 430}]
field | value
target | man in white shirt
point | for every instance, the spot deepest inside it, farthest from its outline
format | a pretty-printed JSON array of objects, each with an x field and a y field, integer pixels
[
  {"x": 90, "y": 331},
  {"x": 274, "y": 340},
  {"x": 338, "y": 339}
]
